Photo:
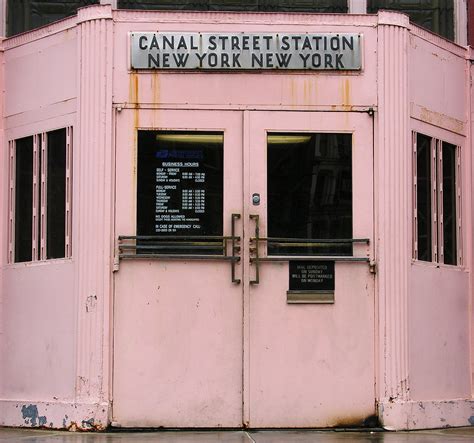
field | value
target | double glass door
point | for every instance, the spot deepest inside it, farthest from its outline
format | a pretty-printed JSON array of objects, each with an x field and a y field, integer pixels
[{"x": 243, "y": 292}]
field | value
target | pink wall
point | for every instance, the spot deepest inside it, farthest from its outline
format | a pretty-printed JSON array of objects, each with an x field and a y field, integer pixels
[
  {"x": 39, "y": 332},
  {"x": 55, "y": 314},
  {"x": 39, "y": 309},
  {"x": 32, "y": 68},
  {"x": 439, "y": 296},
  {"x": 439, "y": 333},
  {"x": 56, "y": 318},
  {"x": 437, "y": 73}
]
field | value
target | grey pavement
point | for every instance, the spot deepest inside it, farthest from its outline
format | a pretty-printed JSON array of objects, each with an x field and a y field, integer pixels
[{"x": 45, "y": 436}]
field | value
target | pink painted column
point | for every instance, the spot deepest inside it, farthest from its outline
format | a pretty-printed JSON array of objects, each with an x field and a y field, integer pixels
[
  {"x": 3, "y": 201},
  {"x": 470, "y": 147},
  {"x": 93, "y": 236},
  {"x": 393, "y": 205}
]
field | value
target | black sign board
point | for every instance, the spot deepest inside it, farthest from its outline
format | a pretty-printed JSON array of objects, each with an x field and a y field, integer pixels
[
  {"x": 179, "y": 183},
  {"x": 311, "y": 276}
]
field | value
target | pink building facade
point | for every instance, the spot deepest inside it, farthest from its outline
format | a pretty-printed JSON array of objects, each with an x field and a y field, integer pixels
[{"x": 239, "y": 316}]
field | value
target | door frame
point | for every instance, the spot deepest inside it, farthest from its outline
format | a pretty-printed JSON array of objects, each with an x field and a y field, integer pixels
[{"x": 151, "y": 118}]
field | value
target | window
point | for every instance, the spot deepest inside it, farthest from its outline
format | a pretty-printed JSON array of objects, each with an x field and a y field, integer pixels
[
  {"x": 309, "y": 183},
  {"x": 24, "y": 15},
  {"x": 40, "y": 196},
  {"x": 435, "y": 15},
  {"x": 334, "y": 6},
  {"x": 437, "y": 197},
  {"x": 180, "y": 185}
]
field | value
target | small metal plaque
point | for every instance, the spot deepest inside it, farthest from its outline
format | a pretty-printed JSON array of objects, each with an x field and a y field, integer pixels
[
  {"x": 311, "y": 282},
  {"x": 311, "y": 276},
  {"x": 318, "y": 297}
]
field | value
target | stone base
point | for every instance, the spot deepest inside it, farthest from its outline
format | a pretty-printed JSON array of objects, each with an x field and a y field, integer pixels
[
  {"x": 54, "y": 415},
  {"x": 406, "y": 415}
]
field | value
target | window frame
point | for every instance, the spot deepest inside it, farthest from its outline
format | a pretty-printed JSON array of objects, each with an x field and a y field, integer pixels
[
  {"x": 437, "y": 196},
  {"x": 309, "y": 254},
  {"x": 39, "y": 195}
]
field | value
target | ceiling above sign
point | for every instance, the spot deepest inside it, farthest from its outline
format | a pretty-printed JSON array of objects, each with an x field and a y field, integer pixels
[{"x": 242, "y": 51}]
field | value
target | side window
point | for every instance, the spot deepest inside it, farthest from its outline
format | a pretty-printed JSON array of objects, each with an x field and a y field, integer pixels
[
  {"x": 435, "y": 15},
  {"x": 309, "y": 185},
  {"x": 40, "y": 196},
  {"x": 24, "y": 15},
  {"x": 437, "y": 197},
  {"x": 334, "y": 6},
  {"x": 23, "y": 199}
]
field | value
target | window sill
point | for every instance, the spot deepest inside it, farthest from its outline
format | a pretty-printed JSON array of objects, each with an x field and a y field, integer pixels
[
  {"x": 30, "y": 264},
  {"x": 428, "y": 264}
]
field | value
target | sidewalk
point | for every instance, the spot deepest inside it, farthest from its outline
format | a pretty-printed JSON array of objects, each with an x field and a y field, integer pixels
[{"x": 44, "y": 436}]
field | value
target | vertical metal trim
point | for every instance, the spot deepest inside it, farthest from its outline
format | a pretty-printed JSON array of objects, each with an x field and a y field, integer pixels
[
  {"x": 68, "y": 214},
  {"x": 11, "y": 200},
  {"x": 415, "y": 195},
  {"x": 112, "y": 3},
  {"x": 357, "y": 6},
  {"x": 235, "y": 248},
  {"x": 460, "y": 22},
  {"x": 458, "y": 185},
  {"x": 44, "y": 194},
  {"x": 440, "y": 186},
  {"x": 3, "y": 18},
  {"x": 35, "y": 255},
  {"x": 434, "y": 202}
]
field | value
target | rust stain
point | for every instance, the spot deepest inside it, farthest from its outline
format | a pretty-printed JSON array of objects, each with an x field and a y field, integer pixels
[
  {"x": 309, "y": 86},
  {"x": 443, "y": 59},
  {"x": 314, "y": 89},
  {"x": 133, "y": 98},
  {"x": 155, "y": 88},
  {"x": 346, "y": 92},
  {"x": 87, "y": 425},
  {"x": 293, "y": 94}
]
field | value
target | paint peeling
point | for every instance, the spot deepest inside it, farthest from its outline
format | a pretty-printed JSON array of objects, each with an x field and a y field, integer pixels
[
  {"x": 31, "y": 417},
  {"x": 91, "y": 303},
  {"x": 88, "y": 423},
  {"x": 471, "y": 420}
]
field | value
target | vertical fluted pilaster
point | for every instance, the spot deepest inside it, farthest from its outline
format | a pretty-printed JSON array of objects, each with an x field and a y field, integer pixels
[
  {"x": 393, "y": 206},
  {"x": 4, "y": 186},
  {"x": 93, "y": 201}
]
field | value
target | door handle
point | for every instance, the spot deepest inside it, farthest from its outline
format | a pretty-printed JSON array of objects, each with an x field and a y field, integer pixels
[
  {"x": 235, "y": 249},
  {"x": 254, "y": 246},
  {"x": 182, "y": 247}
]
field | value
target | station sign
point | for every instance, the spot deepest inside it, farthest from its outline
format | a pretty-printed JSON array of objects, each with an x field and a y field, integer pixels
[{"x": 245, "y": 51}]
